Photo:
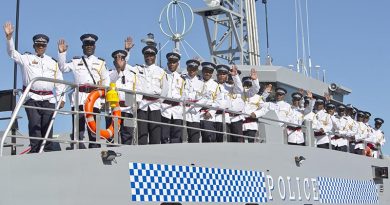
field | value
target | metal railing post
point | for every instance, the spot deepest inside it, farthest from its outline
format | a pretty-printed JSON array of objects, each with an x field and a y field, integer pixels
[
  {"x": 309, "y": 133},
  {"x": 116, "y": 130},
  {"x": 14, "y": 115},
  {"x": 51, "y": 123},
  {"x": 185, "y": 133},
  {"x": 76, "y": 128},
  {"x": 135, "y": 117},
  {"x": 224, "y": 126},
  {"x": 98, "y": 122}
]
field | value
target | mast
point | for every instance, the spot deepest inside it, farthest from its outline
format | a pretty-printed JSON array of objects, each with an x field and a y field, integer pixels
[{"x": 232, "y": 34}]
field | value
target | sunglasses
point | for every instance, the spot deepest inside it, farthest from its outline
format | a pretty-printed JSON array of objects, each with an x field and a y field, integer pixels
[{"x": 40, "y": 45}]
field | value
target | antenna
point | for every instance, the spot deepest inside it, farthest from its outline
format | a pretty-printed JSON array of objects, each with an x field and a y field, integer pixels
[
  {"x": 174, "y": 30},
  {"x": 266, "y": 29}
]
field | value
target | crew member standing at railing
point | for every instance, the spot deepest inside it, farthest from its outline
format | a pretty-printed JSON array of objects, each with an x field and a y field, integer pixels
[
  {"x": 41, "y": 93},
  {"x": 377, "y": 138},
  {"x": 88, "y": 71},
  {"x": 192, "y": 93},
  {"x": 339, "y": 139},
  {"x": 282, "y": 108},
  {"x": 254, "y": 104},
  {"x": 352, "y": 127},
  {"x": 151, "y": 78},
  {"x": 228, "y": 96},
  {"x": 294, "y": 133},
  {"x": 207, "y": 116},
  {"x": 322, "y": 124},
  {"x": 362, "y": 133},
  {"x": 125, "y": 77},
  {"x": 172, "y": 111}
]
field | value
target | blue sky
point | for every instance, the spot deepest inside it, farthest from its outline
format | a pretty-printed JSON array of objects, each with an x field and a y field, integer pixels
[{"x": 349, "y": 38}]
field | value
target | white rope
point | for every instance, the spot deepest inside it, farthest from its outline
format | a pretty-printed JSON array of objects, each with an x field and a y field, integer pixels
[
  {"x": 193, "y": 49},
  {"x": 164, "y": 45},
  {"x": 185, "y": 50}
]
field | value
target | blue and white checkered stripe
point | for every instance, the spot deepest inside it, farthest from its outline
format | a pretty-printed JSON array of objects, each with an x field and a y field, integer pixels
[
  {"x": 336, "y": 191},
  {"x": 171, "y": 183}
]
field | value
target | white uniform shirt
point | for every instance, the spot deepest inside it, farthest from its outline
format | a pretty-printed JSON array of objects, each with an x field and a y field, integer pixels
[
  {"x": 208, "y": 94},
  {"x": 283, "y": 110},
  {"x": 151, "y": 81},
  {"x": 229, "y": 97},
  {"x": 129, "y": 75},
  {"x": 296, "y": 117},
  {"x": 192, "y": 92},
  {"x": 322, "y": 120},
  {"x": 377, "y": 137},
  {"x": 173, "y": 88},
  {"x": 252, "y": 104},
  {"x": 361, "y": 135},
  {"x": 339, "y": 128},
  {"x": 32, "y": 67},
  {"x": 82, "y": 76}
]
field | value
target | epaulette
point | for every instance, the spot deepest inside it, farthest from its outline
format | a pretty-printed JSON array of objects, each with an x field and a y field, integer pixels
[
  {"x": 28, "y": 53},
  {"x": 142, "y": 66},
  {"x": 133, "y": 72},
  {"x": 101, "y": 59},
  {"x": 183, "y": 76},
  {"x": 54, "y": 59},
  {"x": 383, "y": 132},
  {"x": 199, "y": 77},
  {"x": 76, "y": 57}
]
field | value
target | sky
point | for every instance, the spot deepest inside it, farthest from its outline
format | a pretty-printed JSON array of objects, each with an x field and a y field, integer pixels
[{"x": 350, "y": 39}]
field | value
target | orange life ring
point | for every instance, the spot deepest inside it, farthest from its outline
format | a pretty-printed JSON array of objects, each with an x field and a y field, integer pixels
[{"x": 88, "y": 107}]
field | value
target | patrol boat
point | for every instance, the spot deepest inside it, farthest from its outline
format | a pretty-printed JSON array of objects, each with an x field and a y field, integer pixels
[{"x": 268, "y": 171}]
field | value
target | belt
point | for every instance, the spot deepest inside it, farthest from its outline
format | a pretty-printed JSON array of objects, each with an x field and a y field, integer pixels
[
  {"x": 319, "y": 134},
  {"x": 87, "y": 88},
  {"x": 372, "y": 146},
  {"x": 294, "y": 128},
  {"x": 204, "y": 109},
  {"x": 122, "y": 104},
  {"x": 169, "y": 102},
  {"x": 39, "y": 92},
  {"x": 249, "y": 120},
  {"x": 193, "y": 101},
  {"x": 219, "y": 112},
  {"x": 336, "y": 137},
  {"x": 233, "y": 114},
  {"x": 149, "y": 98}
]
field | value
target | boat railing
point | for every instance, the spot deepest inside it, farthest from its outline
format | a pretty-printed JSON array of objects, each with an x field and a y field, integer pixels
[{"x": 268, "y": 125}]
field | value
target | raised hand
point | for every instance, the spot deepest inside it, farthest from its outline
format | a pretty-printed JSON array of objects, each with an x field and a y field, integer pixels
[
  {"x": 233, "y": 71},
  {"x": 253, "y": 74},
  {"x": 309, "y": 94},
  {"x": 268, "y": 88},
  {"x": 62, "y": 47},
  {"x": 129, "y": 43},
  {"x": 8, "y": 30},
  {"x": 253, "y": 115},
  {"x": 327, "y": 96}
]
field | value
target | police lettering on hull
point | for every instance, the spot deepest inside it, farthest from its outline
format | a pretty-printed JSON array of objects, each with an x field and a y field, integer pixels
[{"x": 292, "y": 189}]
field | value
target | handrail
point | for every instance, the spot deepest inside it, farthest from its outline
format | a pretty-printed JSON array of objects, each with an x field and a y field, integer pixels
[
  {"x": 20, "y": 103},
  {"x": 307, "y": 127}
]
